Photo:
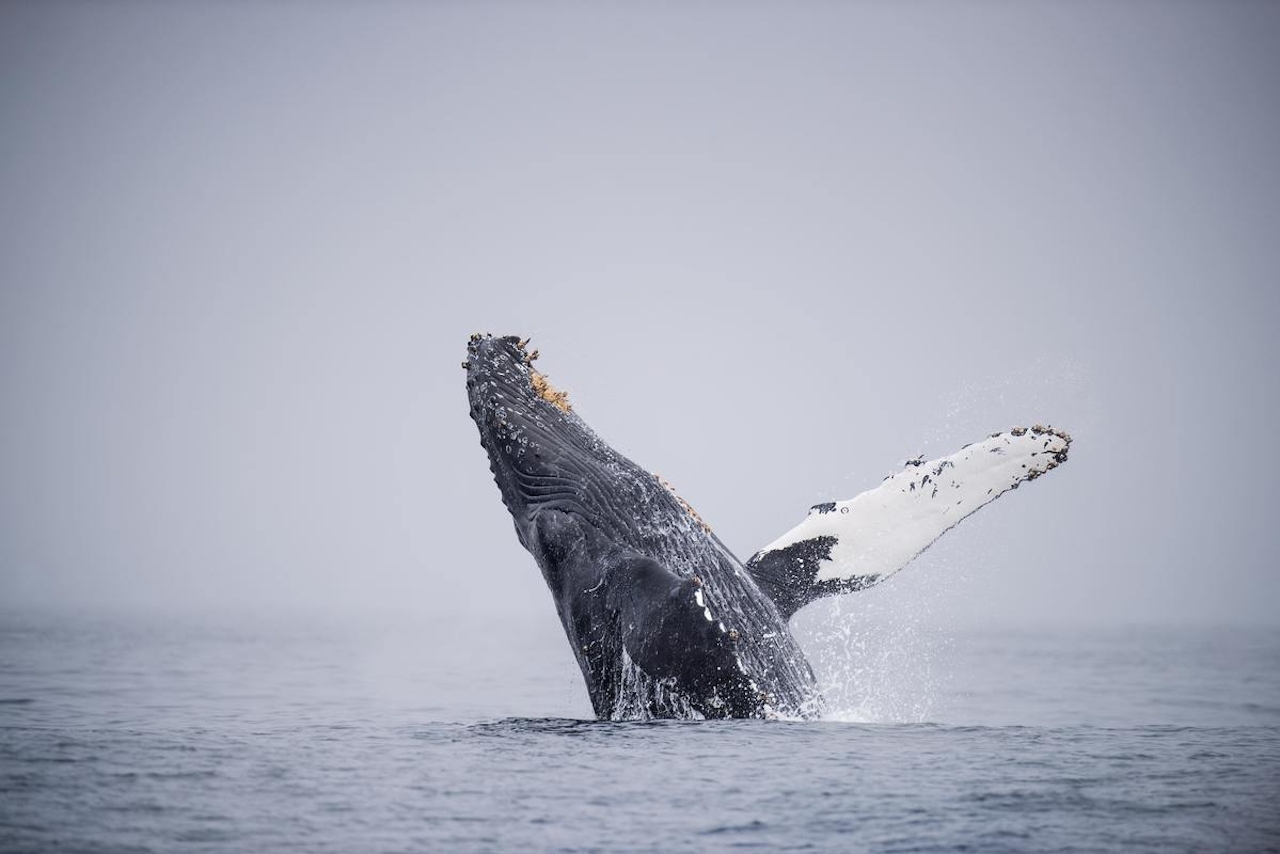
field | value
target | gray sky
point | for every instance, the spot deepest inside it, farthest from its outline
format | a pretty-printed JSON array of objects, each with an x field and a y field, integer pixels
[{"x": 770, "y": 250}]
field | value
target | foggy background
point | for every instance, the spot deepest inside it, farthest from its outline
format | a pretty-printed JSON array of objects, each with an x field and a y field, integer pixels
[{"x": 770, "y": 251}]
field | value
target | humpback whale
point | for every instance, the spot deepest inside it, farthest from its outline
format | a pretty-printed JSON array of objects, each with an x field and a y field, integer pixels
[{"x": 663, "y": 619}]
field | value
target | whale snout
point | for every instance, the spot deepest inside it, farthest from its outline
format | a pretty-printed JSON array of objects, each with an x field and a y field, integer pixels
[
  {"x": 499, "y": 391},
  {"x": 533, "y": 439},
  {"x": 500, "y": 385},
  {"x": 500, "y": 372}
]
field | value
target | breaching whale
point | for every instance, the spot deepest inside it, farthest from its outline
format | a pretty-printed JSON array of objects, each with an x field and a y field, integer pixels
[{"x": 664, "y": 621}]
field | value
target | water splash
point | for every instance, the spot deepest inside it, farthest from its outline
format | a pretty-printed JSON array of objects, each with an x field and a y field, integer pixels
[
  {"x": 882, "y": 655},
  {"x": 879, "y": 656},
  {"x": 643, "y": 698}
]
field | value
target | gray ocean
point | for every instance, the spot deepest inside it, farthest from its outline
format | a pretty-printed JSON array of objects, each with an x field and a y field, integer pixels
[{"x": 165, "y": 732}]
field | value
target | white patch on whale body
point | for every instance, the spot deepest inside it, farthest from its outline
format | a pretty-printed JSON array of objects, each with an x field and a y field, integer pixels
[{"x": 880, "y": 531}]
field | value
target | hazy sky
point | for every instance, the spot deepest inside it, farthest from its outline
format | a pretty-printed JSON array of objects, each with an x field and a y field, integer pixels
[{"x": 770, "y": 250}]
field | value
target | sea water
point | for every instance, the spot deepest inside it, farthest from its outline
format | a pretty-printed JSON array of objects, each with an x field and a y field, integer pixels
[{"x": 173, "y": 732}]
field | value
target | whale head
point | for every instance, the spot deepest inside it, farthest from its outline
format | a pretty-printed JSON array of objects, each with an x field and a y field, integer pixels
[{"x": 542, "y": 455}]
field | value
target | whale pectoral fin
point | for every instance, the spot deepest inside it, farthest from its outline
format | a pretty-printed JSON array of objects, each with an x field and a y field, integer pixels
[
  {"x": 669, "y": 631},
  {"x": 843, "y": 546}
]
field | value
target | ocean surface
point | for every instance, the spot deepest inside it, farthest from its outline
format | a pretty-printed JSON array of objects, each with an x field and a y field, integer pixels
[{"x": 170, "y": 733}]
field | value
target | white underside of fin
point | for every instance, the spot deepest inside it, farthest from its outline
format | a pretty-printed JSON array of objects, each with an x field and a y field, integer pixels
[{"x": 883, "y": 529}]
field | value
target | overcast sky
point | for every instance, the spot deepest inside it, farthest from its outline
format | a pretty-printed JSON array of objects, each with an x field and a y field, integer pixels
[{"x": 771, "y": 251}]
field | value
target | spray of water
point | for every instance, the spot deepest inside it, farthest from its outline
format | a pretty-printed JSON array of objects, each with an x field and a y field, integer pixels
[
  {"x": 878, "y": 657},
  {"x": 643, "y": 698},
  {"x": 1044, "y": 389},
  {"x": 884, "y": 655}
]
